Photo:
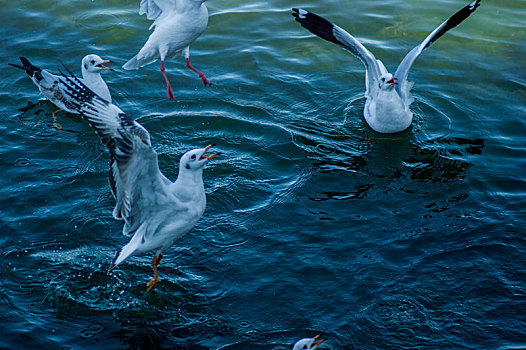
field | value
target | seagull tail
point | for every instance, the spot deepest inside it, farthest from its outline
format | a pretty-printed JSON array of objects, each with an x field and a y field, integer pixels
[
  {"x": 136, "y": 63},
  {"x": 27, "y": 66},
  {"x": 132, "y": 64},
  {"x": 125, "y": 252}
]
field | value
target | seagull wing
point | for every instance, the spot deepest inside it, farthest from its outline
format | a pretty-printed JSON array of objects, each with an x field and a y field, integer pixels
[
  {"x": 331, "y": 32},
  {"x": 453, "y": 21},
  {"x": 154, "y": 8},
  {"x": 135, "y": 179}
]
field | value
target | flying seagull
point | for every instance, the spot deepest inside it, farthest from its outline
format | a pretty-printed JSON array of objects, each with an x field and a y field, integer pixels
[
  {"x": 156, "y": 211},
  {"x": 387, "y": 95},
  {"x": 178, "y": 23},
  {"x": 50, "y": 86}
]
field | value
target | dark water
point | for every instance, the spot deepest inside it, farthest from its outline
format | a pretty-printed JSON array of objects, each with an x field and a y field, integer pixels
[{"x": 314, "y": 223}]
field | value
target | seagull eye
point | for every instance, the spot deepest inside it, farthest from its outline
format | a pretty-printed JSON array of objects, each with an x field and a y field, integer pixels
[
  {"x": 92, "y": 61},
  {"x": 192, "y": 157},
  {"x": 305, "y": 346}
]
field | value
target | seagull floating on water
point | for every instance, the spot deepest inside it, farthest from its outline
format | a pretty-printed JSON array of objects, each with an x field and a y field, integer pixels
[
  {"x": 387, "y": 95},
  {"x": 308, "y": 343},
  {"x": 155, "y": 210},
  {"x": 51, "y": 87},
  {"x": 178, "y": 23}
]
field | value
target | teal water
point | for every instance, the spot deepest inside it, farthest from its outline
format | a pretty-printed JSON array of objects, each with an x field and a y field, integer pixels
[{"x": 314, "y": 223}]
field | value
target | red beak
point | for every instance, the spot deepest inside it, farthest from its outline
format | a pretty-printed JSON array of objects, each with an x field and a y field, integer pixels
[{"x": 392, "y": 81}]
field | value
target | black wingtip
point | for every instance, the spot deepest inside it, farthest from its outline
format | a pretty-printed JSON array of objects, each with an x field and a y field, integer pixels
[
  {"x": 315, "y": 24},
  {"x": 296, "y": 13},
  {"x": 455, "y": 20},
  {"x": 16, "y": 65},
  {"x": 471, "y": 7},
  {"x": 112, "y": 264},
  {"x": 25, "y": 61},
  {"x": 27, "y": 66}
]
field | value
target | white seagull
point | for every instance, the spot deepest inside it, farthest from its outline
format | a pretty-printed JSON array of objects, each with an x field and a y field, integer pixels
[
  {"x": 387, "y": 95},
  {"x": 178, "y": 23},
  {"x": 308, "y": 343},
  {"x": 155, "y": 210},
  {"x": 50, "y": 85}
]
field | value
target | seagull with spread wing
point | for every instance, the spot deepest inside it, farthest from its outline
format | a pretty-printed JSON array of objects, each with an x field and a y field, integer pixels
[
  {"x": 156, "y": 211},
  {"x": 178, "y": 23},
  {"x": 387, "y": 95}
]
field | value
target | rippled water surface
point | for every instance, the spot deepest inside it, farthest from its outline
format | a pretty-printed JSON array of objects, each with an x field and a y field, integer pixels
[{"x": 314, "y": 223}]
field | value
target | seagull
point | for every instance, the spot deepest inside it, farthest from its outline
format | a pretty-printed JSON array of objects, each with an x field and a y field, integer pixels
[
  {"x": 387, "y": 95},
  {"x": 156, "y": 211},
  {"x": 50, "y": 86},
  {"x": 178, "y": 23},
  {"x": 308, "y": 343}
]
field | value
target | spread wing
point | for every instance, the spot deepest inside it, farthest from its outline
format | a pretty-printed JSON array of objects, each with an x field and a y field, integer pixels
[
  {"x": 453, "y": 21},
  {"x": 331, "y": 32},
  {"x": 135, "y": 179},
  {"x": 154, "y": 8}
]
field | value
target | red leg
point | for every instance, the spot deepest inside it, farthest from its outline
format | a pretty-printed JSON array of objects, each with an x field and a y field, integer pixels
[
  {"x": 155, "y": 261},
  {"x": 201, "y": 75},
  {"x": 169, "y": 91}
]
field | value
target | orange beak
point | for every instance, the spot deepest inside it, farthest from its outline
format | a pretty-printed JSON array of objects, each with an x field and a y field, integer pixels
[
  {"x": 101, "y": 65},
  {"x": 203, "y": 157},
  {"x": 317, "y": 342}
]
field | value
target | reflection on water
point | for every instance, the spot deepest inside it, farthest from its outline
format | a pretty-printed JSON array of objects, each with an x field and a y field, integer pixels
[
  {"x": 43, "y": 116},
  {"x": 399, "y": 160}
]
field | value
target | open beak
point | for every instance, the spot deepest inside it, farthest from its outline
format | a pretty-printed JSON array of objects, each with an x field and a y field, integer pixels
[
  {"x": 317, "y": 340},
  {"x": 101, "y": 65},
  {"x": 392, "y": 81},
  {"x": 203, "y": 157}
]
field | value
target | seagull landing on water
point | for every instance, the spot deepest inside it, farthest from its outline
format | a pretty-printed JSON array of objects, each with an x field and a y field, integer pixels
[
  {"x": 308, "y": 343},
  {"x": 178, "y": 23},
  {"x": 387, "y": 95},
  {"x": 51, "y": 87},
  {"x": 155, "y": 210}
]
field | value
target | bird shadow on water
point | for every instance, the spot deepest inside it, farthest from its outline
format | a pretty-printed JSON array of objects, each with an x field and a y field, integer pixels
[
  {"x": 426, "y": 153},
  {"x": 44, "y": 113}
]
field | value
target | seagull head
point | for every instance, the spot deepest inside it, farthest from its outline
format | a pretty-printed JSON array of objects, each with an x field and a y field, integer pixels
[
  {"x": 308, "y": 343},
  {"x": 94, "y": 64},
  {"x": 196, "y": 159},
  {"x": 387, "y": 81}
]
